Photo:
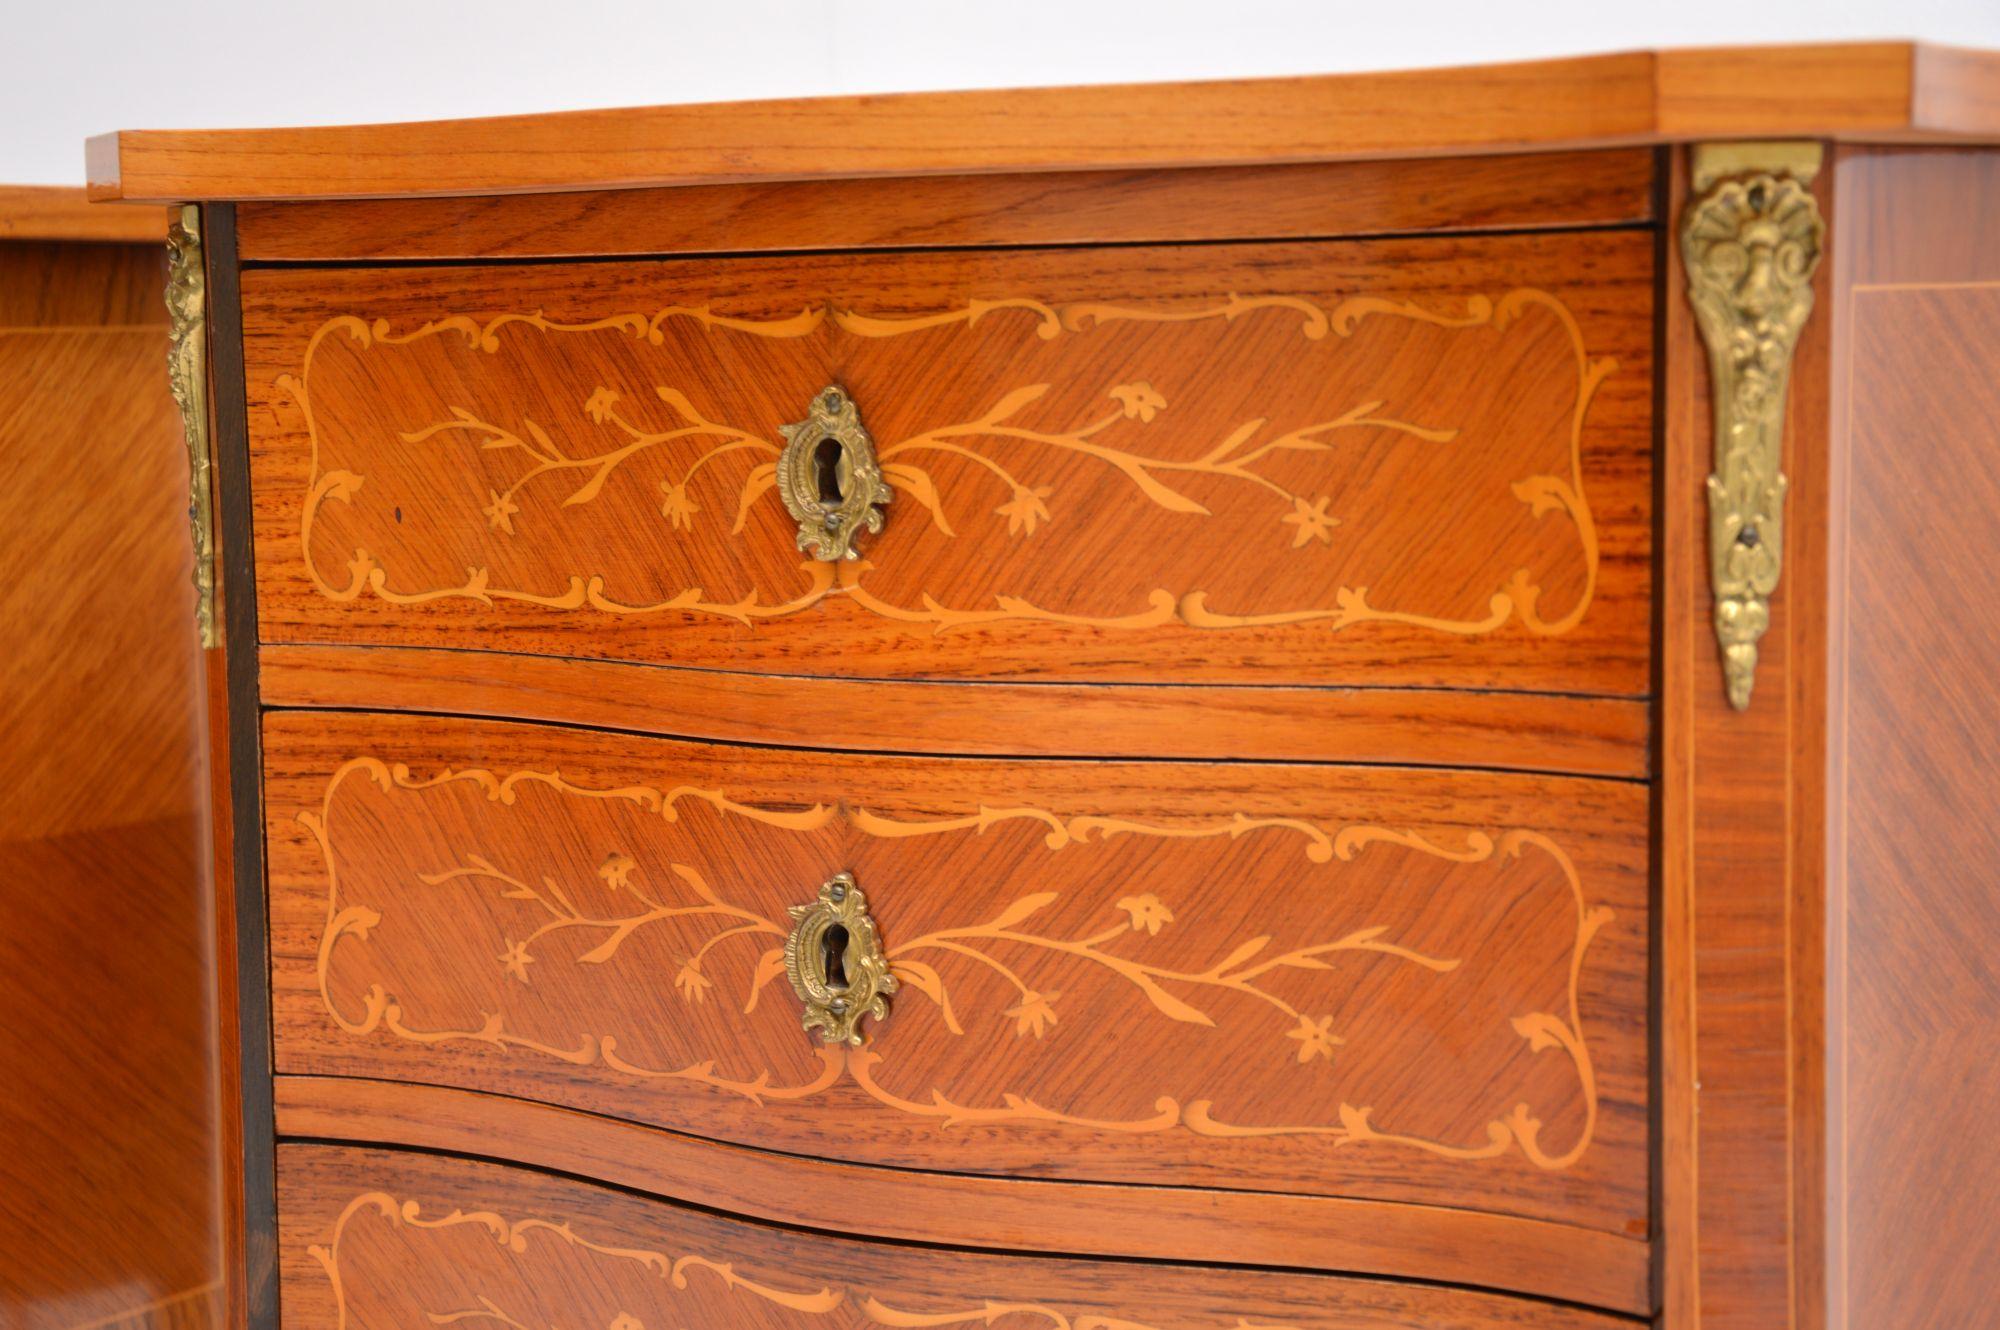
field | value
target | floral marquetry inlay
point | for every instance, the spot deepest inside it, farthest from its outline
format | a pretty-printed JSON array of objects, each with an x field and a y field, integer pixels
[
  {"x": 651, "y": 487},
  {"x": 535, "y": 1237},
  {"x": 680, "y": 891},
  {"x": 548, "y": 1273}
]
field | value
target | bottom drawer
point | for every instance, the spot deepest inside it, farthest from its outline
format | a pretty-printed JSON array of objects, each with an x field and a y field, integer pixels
[{"x": 399, "y": 1239}]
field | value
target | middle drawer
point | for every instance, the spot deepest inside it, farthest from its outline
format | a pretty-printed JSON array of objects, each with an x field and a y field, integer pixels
[{"x": 1371, "y": 982}]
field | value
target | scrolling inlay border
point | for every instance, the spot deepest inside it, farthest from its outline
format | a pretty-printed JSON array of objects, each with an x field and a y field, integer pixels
[
  {"x": 1516, "y": 1129},
  {"x": 1516, "y": 599},
  {"x": 513, "y": 1236}
]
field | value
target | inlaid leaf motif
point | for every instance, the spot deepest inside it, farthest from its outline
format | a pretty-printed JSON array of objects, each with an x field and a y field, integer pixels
[
  {"x": 1014, "y": 960},
  {"x": 1031, "y": 463}
]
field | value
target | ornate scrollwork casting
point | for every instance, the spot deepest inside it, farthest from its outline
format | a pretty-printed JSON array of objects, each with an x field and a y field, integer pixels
[
  {"x": 1751, "y": 244},
  {"x": 835, "y": 962},
  {"x": 829, "y": 479},
  {"x": 187, "y": 372}
]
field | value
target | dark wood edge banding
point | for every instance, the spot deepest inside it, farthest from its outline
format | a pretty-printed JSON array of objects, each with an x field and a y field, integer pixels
[
  {"x": 246, "y": 765},
  {"x": 1400, "y": 1240},
  {"x": 1160, "y": 206},
  {"x": 1585, "y": 736}
]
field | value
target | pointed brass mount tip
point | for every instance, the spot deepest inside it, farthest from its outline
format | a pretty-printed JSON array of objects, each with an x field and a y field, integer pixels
[
  {"x": 829, "y": 479},
  {"x": 834, "y": 959},
  {"x": 1751, "y": 242},
  {"x": 187, "y": 374}
]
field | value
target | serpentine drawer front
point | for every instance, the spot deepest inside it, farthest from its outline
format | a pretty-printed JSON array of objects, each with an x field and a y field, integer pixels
[
  {"x": 1405, "y": 985},
  {"x": 1427, "y": 459},
  {"x": 371, "y": 1238}
]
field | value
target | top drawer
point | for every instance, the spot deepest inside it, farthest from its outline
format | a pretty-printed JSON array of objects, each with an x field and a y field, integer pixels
[{"x": 1414, "y": 462}]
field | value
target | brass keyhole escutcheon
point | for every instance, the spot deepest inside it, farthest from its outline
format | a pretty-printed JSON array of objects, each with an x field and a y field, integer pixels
[
  {"x": 835, "y": 962},
  {"x": 829, "y": 479}
]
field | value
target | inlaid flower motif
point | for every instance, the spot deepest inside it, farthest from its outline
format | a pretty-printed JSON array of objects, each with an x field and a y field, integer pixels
[
  {"x": 1316, "y": 1038},
  {"x": 627, "y": 1321},
  {"x": 1034, "y": 1014},
  {"x": 692, "y": 983},
  {"x": 599, "y": 404},
  {"x": 1139, "y": 400},
  {"x": 500, "y": 513},
  {"x": 616, "y": 870},
  {"x": 1025, "y": 509},
  {"x": 516, "y": 960},
  {"x": 678, "y": 507},
  {"x": 1146, "y": 912},
  {"x": 1313, "y": 521}
]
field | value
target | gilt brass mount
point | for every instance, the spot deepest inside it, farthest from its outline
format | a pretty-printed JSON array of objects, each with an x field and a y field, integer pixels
[
  {"x": 187, "y": 374},
  {"x": 1751, "y": 243},
  {"x": 829, "y": 479},
  {"x": 834, "y": 959}
]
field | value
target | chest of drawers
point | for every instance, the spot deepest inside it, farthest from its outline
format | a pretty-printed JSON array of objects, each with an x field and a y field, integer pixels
[{"x": 1214, "y": 710}]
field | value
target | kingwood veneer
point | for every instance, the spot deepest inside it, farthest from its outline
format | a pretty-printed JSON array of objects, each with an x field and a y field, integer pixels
[
  {"x": 109, "y": 1188},
  {"x": 1212, "y": 592}
]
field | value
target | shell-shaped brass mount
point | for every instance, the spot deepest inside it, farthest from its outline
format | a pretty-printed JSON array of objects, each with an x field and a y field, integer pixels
[
  {"x": 1751, "y": 244},
  {"x": 834, "y": 959},
  {"x": 829, "y": 479}
]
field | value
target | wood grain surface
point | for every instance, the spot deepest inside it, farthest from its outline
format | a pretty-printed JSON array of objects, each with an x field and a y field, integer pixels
[
  {"x": 1351, "y": 981},
  {"x": 372, "y": 1238},
  {"x": 239, "y": 1168},
  {"x": 1686, "y": 666},
  {"x": 1922, "y": 1000},
  {"x": 1864, "y": 90},
  {"x": 107, "y": 1187},
  {"x": 101, "y": 581},
  {"x": 1900, "y": 227},
  {"x": 237, "y": 814},
  {"x": 1585, "y": 736},
  {"x": 56, "y": 212},
  {"x": 1209, "y": 1225},
  {"x": 1393, "y": 462},
  {"x": 1329, "y": 199},
  {"x": 108, "y": 1205},
  {"x": 1912, "y": 995},
  {"x": 1741, "y": 857},
  {"x": 53, "y": 285}
]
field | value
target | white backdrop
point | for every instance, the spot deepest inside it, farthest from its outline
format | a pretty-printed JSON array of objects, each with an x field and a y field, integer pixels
[{"x": 70, "y": 68}]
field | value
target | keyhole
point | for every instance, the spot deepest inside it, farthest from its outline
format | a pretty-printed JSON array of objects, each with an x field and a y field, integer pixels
[
  {"x": 833, "y": 956},
  {"x": 826, "y": 466}
]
